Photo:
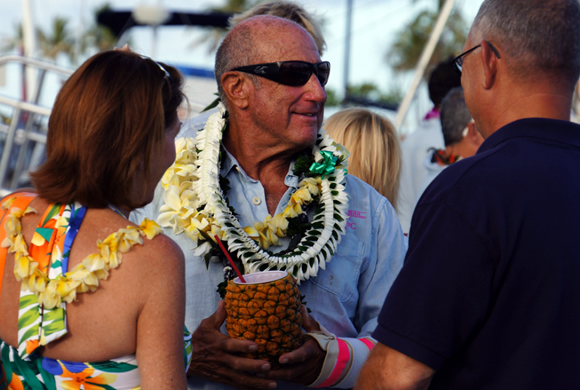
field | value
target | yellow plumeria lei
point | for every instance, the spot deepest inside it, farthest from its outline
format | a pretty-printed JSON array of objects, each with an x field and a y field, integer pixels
[
  {"x": 83, "y": 277},
  {"x": 194, "y": 204}
]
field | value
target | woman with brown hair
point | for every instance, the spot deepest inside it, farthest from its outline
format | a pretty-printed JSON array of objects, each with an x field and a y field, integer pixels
[{"x": 88, "y": 299}]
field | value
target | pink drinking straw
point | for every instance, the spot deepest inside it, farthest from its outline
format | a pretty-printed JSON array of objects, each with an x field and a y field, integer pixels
[{"x": 221, "y": 244}]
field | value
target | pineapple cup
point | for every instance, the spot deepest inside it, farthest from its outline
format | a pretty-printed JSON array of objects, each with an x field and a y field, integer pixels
[{"x": 265, "y": 309}]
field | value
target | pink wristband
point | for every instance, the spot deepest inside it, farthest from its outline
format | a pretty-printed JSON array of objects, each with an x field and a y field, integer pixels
[
  {"x": 341, "y": 362},
  {"x": 368, "y": 343}
]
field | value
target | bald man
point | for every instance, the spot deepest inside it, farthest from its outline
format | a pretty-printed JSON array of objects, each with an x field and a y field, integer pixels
[{"x": 271, "y": 81}]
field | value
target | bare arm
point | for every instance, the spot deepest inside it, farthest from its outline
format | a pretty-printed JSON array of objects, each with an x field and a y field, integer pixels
[
  {"x": 160, "y": 322},
  {"x": 388, "y": 369},
  {"x": 214, "y": 356}
]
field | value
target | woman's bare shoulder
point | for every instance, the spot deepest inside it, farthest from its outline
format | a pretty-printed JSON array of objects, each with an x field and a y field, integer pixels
[{"x": 161, "y": 245}]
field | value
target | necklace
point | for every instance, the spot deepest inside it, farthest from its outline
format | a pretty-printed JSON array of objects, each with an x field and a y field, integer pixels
[
  {"x": 195, "y": 205},
  {"x": 51, "y": 292}
]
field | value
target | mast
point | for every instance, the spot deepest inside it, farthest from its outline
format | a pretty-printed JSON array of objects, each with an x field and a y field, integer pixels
[{"x": 29, "y": 38}]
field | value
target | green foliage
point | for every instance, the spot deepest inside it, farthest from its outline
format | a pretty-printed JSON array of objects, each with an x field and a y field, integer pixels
[
  {"x": 99, "y": 36},
  {"x": 236, "y": 6},
  {"x": 14, "y": 42},
  {"x": 217, "y": 34},
  {"x": 224, "y": 184},
  {"x": 410, "y": 41},
  {"x": 372, "y": 92},
  {"x": 303, "y": 163},
  {"x": 332, "y": 99},
  {"x": 295, "y": 227},
  {"x": 368, "y": 91},
  {"x": 213, "y": 104},
  {"x": 221, "y": 289},
  {"x": 214, "y": 251},
  {"x": 57, "y": 40}
]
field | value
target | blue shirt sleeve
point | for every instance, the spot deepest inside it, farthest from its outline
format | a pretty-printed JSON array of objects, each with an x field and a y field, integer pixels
[{"x": 381, "y": 267}]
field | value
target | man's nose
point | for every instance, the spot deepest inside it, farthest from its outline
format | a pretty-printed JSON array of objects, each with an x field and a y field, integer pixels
[{"x": 316, "y": 91}]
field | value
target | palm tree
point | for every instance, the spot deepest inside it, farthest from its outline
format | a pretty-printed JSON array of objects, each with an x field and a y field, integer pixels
[
  {"x": 215, "y": 35},
  {"x": 410, "y": 41},
  {"x": 98, "y": 36},
  {"x": 58, "y": 40},
  {"x": 14, "y": 42}
]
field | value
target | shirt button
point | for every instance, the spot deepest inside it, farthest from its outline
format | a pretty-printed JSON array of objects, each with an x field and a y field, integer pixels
[{"x": 256, "y": 201}]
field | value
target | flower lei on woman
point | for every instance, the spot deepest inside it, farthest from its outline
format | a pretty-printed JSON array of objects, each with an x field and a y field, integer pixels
[
  {"x": 83, "y": 277},
  {"x": 195, "y": 204}
]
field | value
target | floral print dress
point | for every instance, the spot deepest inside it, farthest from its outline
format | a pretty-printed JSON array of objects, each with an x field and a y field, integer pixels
[{"x": 38, "y": 326}]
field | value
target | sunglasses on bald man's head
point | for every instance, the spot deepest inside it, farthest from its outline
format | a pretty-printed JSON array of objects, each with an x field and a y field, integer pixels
[{"x": 292, "y": 73}]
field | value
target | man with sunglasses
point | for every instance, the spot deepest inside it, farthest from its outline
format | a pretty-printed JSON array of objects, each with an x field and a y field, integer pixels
[
  {"x": 271, "y": 80},
  {"x": 489, "y": 296}
]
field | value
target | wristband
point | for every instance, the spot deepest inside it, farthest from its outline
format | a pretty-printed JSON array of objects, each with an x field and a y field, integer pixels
[{"x": 328, "y": 343}]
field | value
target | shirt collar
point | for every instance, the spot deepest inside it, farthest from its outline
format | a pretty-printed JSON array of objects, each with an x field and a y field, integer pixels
[
  {"x": 228, "y": 163},
  {"x": 540, "y": 128}
]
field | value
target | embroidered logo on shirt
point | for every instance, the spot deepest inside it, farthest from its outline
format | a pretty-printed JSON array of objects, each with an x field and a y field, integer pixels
[{"x": 354, "y": 214}]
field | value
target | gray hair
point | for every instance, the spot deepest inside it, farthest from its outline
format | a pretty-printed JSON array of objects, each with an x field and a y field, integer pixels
[
  {"x": 539, "y": 35},
  {"x": 454, "y": 116},
  {"x": 237, "y": 49}
]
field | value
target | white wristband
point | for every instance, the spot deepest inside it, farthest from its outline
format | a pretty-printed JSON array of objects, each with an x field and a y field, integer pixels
[{"x": 327, "y": 342}]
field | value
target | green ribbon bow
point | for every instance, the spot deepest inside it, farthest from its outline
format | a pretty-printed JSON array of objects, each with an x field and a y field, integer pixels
[{"x": 325, "y": 167}]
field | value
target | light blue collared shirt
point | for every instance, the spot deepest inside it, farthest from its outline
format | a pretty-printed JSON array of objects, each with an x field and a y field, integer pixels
[{"x": 345, "y": 298}]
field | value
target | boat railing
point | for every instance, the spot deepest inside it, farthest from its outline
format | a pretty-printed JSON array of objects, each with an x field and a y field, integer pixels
[{"x": 23, "y": 133}]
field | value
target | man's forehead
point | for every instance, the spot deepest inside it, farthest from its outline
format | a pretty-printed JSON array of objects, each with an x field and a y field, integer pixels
[
  {"x": 271, "y": 34},
  {"x": 287, "y": 44}
]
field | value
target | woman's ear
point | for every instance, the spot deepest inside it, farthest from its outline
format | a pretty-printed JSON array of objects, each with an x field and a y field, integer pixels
[{"x": 236, "y": 87}]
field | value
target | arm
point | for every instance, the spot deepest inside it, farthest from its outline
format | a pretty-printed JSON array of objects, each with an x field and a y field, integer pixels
[
  {"x": 160, "y": 321},
  {"x": 388, "y": 369},
  {"x": 346, "y": 356},
  {"x": 214, "y": 356}
]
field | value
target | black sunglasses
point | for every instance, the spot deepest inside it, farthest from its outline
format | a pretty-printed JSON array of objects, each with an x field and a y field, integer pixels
[
  {"x": 293, "y": 73},
  {"x": 458, "y": 61}
]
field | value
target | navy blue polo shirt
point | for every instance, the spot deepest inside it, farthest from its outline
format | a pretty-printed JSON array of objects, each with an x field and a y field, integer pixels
[{"x": 489, "y": 295}]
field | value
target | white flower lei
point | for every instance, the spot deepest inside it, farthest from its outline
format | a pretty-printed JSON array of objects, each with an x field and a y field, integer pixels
[{"x": 194, "y": 204}]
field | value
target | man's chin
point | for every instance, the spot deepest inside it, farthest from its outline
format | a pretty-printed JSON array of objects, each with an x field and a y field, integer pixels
[
  {"x": 302, "y": 146},
  {"x": 312, "y": 140}
]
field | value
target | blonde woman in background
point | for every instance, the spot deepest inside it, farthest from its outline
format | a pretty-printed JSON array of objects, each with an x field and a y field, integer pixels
[{"x": 375, "y": 151}]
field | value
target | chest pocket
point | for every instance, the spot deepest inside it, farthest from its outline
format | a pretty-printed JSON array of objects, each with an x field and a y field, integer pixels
[{"x": 342, "y": 273}]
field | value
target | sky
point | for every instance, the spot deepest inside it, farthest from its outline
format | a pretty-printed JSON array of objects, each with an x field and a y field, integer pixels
[{"x": 374, "y": 25}]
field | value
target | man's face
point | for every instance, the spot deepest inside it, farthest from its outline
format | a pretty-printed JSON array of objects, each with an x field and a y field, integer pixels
[{"x": 289, "y": 117}]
